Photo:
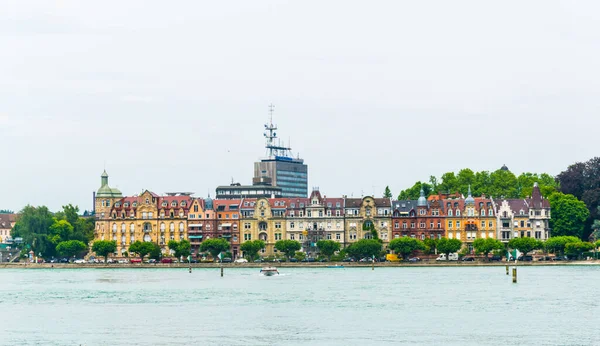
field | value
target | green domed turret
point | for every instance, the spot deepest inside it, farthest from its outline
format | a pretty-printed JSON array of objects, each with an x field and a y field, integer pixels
[{"x": 105, "y": 190}]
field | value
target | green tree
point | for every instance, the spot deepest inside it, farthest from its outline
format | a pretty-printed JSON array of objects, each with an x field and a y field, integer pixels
[
  {"x": 415, "y": 191},
  {"x": 155, "y": 252},
  {"x": 180, "y": 249},
  {"x": 524, "y": 244},
  {"x": 33, "y": 225},
  {"x": 387, "y": 193},
  {"x": 406, "y": 246},
  {"x": 557, "y": 244},
  {"x": 251, "y": 248},
  {"x": 288, "y": 247},
  {"x": 300, "y": 256},
  {"x": 487, "y": 245},
  {"x": 568, "y": 215},
  {"x": 106, "y": 247},
  {"x": 503, "y": 184},
  {"x": 328, "y": 247},
  {"x": 364, "y": 248},
  {"x": 449, "y": 183},
  {"x": 214, "y": 246},
  {"x": 465, "y": 178},
  {"x": 578, "y": 248},
  {"x": 431, "y": 245},
  {"x": 70, "y": 247},
  {"x": 448, "y": 246},
  {"x": 61, "y": 230},
  {"x": 142, "y": 249}
]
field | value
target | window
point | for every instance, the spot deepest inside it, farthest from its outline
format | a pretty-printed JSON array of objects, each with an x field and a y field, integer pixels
[
  {"x": 431, "y": 225},
  {"x": 449, "y": 224},
  {"x": 277, "y": 236},
  {"x": 292, "y": 225},
  {"x": 522, "y": 223},
  {"x": 457, "y": 212},
  {"x": 337, "y": 236},
  {"x": 396, "y": 224},
  {"x": 337, "y": 213},
  {"x": 490, "y": 213},
  {"x": 457, "y": 224},
  {"x": 482, "y": 212},
  {"x": 439, "y": 225},
  {"x": 196, "y": 208},
  {"x": 450, "y": 212},
  {"x": 292, "y": 236},
  {"x": 412, "y": 225},
  {"x": 278, "y": 225},
  {"x": 422, "y": 212},
  {"x": 422, "y": 236},
  {"x": 247, "y": 236},
  {"x": 328, "y": 236},
  {"x": 421, "y": 224},
  {"x": 482, "y": 224},
  {"x": 491, "y": 224},
  {"x": 404, "y": 225}
]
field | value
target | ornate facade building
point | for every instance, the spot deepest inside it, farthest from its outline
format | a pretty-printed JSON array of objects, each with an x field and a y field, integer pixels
[
  {"x": 419, "y": 219},
  {"x": 315, "y": 218},
  {"x": 470, "y": 218},
  {"x": 147, "y": 217},
  {"x": 529, "y": 217},
  {"x": 264, "y": 219},
  {"x": 363, "y": 215}
]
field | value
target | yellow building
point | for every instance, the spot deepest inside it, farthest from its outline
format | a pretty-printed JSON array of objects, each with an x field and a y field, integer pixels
[
  {"x": 147, "y": 217},
  {"x": 364, "y": 214},
  {"x": 263, "y": 219},
  {"x": 470, "y": 218}
]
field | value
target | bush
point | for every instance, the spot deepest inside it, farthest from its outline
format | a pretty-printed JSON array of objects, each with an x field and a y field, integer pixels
[
  {"x": 338, "y": 258},
  {"x": 300, "y": 255}
]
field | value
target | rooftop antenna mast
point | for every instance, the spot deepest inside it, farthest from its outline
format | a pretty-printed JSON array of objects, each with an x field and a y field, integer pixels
[{"x": 274, "y": 148}]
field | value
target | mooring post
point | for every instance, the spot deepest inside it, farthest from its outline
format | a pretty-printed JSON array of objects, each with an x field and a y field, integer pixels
[
  {"x": 221, "y": 270},
  {"x": 514, "y": 275},
  {"x": 507, "y": 269}
]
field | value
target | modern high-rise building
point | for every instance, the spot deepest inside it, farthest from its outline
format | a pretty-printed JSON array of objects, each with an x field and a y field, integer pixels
[{"x": 287, "y": 172}]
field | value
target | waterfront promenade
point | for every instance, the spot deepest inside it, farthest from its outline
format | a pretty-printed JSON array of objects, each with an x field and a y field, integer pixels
[{"x": 433, "y": 263}]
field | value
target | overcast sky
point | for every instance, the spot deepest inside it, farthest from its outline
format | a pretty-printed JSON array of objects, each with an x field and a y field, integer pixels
[{"x": 172, "y": 96}]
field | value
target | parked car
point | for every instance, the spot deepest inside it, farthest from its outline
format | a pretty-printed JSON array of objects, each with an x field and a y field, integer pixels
[
  {"x": 293, "y": 259},
  {"x": 136, "y": 260},
  {"x": 525, "y": 258},
  {"x": 348, "y": 259},
  {"x": 165, "y": 260},
  {"x": 226, "y": 260},
  {"x": 241, "y": 260},
  {"x": 309, "y": 259},
  {"x": 258, "y": 260},
  {"x": 544, "y": 258},
  {"x": 468, "y": 259},
  {"x": 414, "y": 259},
  {"x": 79, "y": 261},
  {"x": 122, "y": 261},
  {"x": 64, "y": 260},
  {"x": 496, "y": 258}
]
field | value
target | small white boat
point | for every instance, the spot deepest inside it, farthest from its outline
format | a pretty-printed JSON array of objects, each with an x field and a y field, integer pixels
[{"x": 269, "y": 271}]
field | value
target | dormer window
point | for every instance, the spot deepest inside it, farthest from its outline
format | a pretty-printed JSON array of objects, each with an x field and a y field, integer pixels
[
  {"x": 293, "y": 205},
  {"x": 277, "y": 203},
  {"x": 490, "y": 212},
  {"x": 183, "y": 204},
  {"x": 482, "y": 212},
  {"x": 301, "y": 205},
  {"x": 164, "y": 204},
  {"x": 521, "y": 212},
  {"x": 134, "y": 204},
  {"x": 147, "y": 201},
  {"x": 118, "y": 204},
  {"x": 173, "y": 204},
  {"x": 337, "y": 204},
  {"x": 126, "y": 204},
  {"x": 450, "y": 212},
  {"x": 328, "y": 205},
  {"x": 457, "y": 212},
  {"x": 315, "y": 202}
]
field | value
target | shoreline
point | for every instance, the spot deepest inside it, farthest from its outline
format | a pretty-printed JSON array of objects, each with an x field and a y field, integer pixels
[{"x": 286, "y": 265}]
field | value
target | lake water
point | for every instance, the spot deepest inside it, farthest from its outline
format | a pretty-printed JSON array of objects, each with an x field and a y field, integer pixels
[{"x": 303, "y": 306}]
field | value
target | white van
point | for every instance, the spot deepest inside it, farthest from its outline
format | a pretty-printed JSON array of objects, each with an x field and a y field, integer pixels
[{"x": 453, "y": 257}]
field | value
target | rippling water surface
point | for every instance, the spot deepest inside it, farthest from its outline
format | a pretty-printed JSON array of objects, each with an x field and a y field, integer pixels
[{"x": 320, "y": 306}]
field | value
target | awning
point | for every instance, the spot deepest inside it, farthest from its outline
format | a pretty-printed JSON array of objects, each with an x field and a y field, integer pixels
[
  {"x": 195, "y": 237},
  {"x": 226, "y": 224},
  {"x": 195, "y": 225}
]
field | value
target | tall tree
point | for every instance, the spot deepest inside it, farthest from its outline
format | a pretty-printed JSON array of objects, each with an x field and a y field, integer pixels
[
  {"x": 180, "y": 248},
  {"x": 288, "y": 247},
  {"x": 251, "y": 248},
  {"x": 364, "y": 248},
  {"x": 406, "y": 246},
  {"x": 415, "y": 191},
  {"x": 70, "y": 248},
  {"x": 568, "y": 215},
  {"x": 387, "y": 193},
  {"x": 328, "y": 247},
  {"x": 104, "y": 248},
  {"x": 503, "y": 184},
  {"x": 214, "y": 246},
  {"x": 578, "y": 248},
  {"x": 524, "y": 244},
  {"x": 557, "y": 244},
  {"x": 142, "y": 249},
  {"x": 448, "y": 246},
  {"x": 487, "y": 245}
]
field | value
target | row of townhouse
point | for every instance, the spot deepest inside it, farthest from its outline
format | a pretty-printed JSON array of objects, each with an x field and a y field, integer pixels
[{"x": 153, "y": 218}]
